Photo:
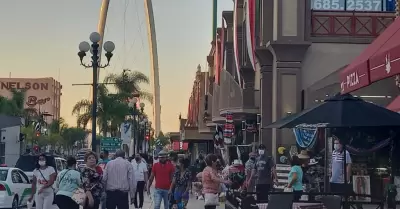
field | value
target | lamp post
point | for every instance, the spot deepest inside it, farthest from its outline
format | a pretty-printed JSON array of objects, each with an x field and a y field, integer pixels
[
  {"x": 132, "y": 105},
  {"x": 143, "y": 129},
  {"x": 84, "y": 47}
]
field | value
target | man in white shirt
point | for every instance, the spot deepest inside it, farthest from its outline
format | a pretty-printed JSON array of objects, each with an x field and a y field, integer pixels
[{"x": 141, "y": 176}]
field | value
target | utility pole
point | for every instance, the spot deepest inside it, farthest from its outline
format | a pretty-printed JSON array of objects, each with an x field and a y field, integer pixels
[{"x": 91, "y": 84}]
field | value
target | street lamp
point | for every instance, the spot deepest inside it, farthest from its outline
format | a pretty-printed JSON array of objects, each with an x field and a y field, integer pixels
[
  {"x": 84, "y": 47},
  {"x": 132, "y": 105}
]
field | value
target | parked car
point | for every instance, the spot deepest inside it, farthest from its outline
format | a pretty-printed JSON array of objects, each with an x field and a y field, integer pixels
[
  {"x": 15, "y": 188},
  {"x": 28, "y": 162}
]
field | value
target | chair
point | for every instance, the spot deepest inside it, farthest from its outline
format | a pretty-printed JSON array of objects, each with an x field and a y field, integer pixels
[
  {"x": 332, "y": 202},
  {"x": 280, "y": 201}
]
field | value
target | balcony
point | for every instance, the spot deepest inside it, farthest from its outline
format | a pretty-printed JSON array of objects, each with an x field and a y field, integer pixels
[
  {"x": 234, "y": 99},
  {"x": 365, "y": 26},
  {"x": 216, "y": 117}
]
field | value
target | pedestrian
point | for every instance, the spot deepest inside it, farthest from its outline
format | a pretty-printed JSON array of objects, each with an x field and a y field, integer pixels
[
  {"x": 92, "y": 181},
  {"x": 211, "y": 182},
  {"x": 181, "y": 182},
  {"x": 266, "y": 173},
  {"x": 162, "y": 172},
  {"x": 141, "y": 177},
  {"x": 68, "y": 180},
  {"x": 295, "y": 178},
  {"x": 120, "y": 182},
  {"x": 249, "y": 166},
  {"x": 42, "y": 182}
]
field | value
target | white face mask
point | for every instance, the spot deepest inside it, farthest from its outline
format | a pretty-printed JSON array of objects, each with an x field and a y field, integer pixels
[
  {"x": 42, "y": 162},
  {"x": 336, "y": 147},
  {"x": 261, "y": 152}
]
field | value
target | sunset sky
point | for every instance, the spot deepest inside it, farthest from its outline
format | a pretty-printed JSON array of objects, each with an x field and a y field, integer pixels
[{"x": 40, "y": 39}]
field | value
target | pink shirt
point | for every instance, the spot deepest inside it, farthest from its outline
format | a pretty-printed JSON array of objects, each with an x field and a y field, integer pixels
[{"x": 210, "y": 181}]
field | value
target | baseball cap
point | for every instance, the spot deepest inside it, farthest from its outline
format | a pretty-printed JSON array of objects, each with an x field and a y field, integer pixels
[{"x": 262, "y": 146}]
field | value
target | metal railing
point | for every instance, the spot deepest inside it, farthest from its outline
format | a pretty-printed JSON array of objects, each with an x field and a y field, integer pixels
[{"x": 349, "y": 23}]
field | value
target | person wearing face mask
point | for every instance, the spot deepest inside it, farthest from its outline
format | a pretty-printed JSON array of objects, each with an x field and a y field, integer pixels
[
  {"x": 140, "y": 171},
  {"x": 337, "y": 183},
  {"x": 266, "y": 173},
  {"x": 249, "y": 166},
  {"x": 43, "y": 179},
  {"x": 162, "y": 172}
]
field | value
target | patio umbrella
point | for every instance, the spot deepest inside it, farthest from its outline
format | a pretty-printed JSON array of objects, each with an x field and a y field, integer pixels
[{"x": 341, "y": 111}]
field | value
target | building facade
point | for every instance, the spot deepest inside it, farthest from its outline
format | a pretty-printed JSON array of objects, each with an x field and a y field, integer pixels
[
  {"x": 276, "y": 58},
  {"x": 42, "y": 94},
  {"x": 10, "y": 140}
]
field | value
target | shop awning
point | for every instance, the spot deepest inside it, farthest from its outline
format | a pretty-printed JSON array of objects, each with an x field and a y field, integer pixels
[
  {"x": 176, "y": 145},
  {"x": 370, "y": 65},
  {"x": 386, "y": 61},
  {"x": 395, "y": 105}
]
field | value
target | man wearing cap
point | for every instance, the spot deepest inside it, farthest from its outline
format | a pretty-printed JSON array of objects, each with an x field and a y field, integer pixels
[
  {"x": 249, "y": 166},
  {"x": 266, "y": 173},
  {"x": 162, "y": 172}
]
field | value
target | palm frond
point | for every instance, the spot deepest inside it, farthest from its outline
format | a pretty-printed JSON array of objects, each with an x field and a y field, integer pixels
[{"x": 82, "y": 106}]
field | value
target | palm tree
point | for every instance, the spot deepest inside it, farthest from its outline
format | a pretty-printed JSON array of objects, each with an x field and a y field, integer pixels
[
  {"x": 128, "y": 83},
  {"x": 111, "y": 109}
]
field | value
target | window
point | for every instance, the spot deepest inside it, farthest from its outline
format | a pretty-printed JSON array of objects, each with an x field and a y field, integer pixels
[
  {"x": 16, "y": 178},
  {"x": 2, "y": 151},
  {"x": 25, "y": 178},
  {"x": 3, "y": 174}
]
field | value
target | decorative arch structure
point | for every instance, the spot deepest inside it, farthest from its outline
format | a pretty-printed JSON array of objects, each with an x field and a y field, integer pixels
[{"x": 151, "y": 34}]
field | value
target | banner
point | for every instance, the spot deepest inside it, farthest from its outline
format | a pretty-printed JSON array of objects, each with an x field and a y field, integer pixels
[{"x": 126, "y": 132}]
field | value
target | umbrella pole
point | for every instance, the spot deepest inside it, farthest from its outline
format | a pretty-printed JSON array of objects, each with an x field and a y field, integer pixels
[
  {"x": 345, "y": 203},
  {"x": 326, "y": 163}
]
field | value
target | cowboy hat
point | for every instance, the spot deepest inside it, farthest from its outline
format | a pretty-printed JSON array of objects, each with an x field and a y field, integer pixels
[{"x": 303, "y": 155}]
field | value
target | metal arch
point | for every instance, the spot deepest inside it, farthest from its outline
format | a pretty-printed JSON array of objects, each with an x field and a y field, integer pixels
[
  {"x": 154, "y": 72},
  {"x": 151, "y": 34}
]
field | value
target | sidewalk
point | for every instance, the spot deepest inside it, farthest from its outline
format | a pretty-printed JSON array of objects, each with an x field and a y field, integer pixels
[{"x": 193, "y": 204}]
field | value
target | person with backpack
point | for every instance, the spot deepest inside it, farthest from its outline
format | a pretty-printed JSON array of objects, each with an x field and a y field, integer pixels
[{"x": 265, "y": 172}]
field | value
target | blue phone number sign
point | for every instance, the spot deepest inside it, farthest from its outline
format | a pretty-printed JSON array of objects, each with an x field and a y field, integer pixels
[{"x": 354, "y": 5}]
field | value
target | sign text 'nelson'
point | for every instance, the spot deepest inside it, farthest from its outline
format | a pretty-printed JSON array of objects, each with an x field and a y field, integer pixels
[{"x": 24, "y": 85}]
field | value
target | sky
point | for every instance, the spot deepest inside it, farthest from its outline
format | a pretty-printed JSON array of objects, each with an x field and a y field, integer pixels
[{"x": 40, "y": 39}]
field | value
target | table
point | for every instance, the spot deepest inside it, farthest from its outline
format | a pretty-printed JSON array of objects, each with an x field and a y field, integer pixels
[{"x": 298, "y": 205}]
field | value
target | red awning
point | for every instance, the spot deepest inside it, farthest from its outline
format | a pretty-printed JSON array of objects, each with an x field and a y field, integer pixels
[
  {"x": 394, "y": 105},
  {"x": 386, "y": 61},
  {"x": 185, "y": 146},
  {"x": 357, "y": 74}
]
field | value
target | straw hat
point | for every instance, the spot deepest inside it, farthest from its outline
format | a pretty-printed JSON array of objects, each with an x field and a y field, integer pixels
[
  {"x": 303, "y": 155},
  {"x": 237, "y": 162}
]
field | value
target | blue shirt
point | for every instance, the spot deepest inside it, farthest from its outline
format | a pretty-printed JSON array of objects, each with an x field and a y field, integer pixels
[
  {"x": 297, "y": 185},
  {"x": 67, "y": 182},
  {"x": 337, "y": 166}
]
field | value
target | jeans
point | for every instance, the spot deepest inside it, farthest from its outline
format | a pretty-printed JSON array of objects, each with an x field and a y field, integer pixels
[
  {"x": 139, "y": 190},
  {"x": 161, "y": 195},
  {"x": 44, "y": 200}
]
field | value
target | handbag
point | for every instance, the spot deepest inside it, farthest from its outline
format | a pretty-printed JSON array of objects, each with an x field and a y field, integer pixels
[
  {"x": 287, "y": 189},
  {"x": 211, "y": 199},
  {"x": 79, "y": 196}
]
